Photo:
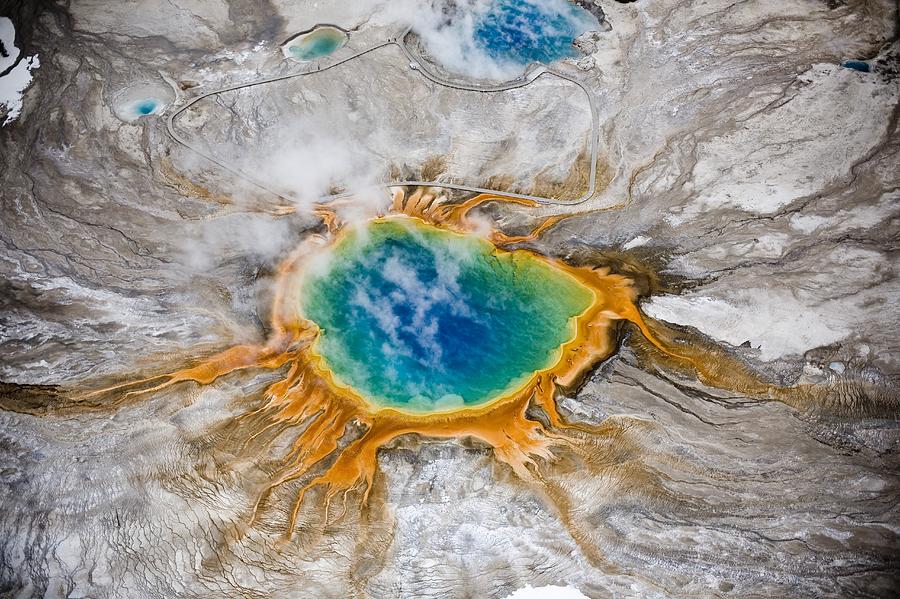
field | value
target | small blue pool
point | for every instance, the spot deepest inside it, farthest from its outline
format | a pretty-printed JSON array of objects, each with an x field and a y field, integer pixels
[
  {"x": 525, "y": 31},
  {"x": 857, "y": 65},
  {"x": 321, "y": 41},
  {"x": 146, "y": 107},
  {"x": 141, "y": 100}
]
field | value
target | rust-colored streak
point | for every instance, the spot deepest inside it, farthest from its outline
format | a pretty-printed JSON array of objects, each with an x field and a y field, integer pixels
[{"x": 309, "y": 396}]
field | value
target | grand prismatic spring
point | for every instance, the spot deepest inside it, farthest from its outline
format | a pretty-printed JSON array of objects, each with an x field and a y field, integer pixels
[
  {"x": 449, "y": 299},
  {"x": 416, "y": 324},
  {"x": 422, "y": 320}
]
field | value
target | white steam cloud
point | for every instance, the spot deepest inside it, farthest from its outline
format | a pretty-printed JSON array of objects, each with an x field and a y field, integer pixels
[
  {"x": 314, "y": 156},
  {"x": 448, "y": 30},
  {"x": 329, "y": 149},
  {"x": 305, "y": 160}
]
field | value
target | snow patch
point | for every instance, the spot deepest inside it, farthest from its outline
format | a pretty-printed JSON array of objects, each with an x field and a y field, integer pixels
[
  {"x": 774, "y": 159},
  {"x": 14, "y": 83},
  {"x": 8, "y": 37},
  {"x": 860, "y": 217},
  {"x": 636, "y": 242},
  {"x": 807, "y": 223},
  {"x": 13, "y": 86},
  {"x": 772, "y": 320},
  {"x": 548, "y": 592}
]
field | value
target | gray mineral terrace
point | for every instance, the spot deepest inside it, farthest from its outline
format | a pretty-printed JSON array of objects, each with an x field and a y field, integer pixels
[
  {"x": 421, "y": 68},
  {"x": 251, "y": 275}
]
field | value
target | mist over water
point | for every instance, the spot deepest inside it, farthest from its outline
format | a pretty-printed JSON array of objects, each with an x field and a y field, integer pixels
[
  {"x": 497, "y": 39},
  {"x": 419, "y": 318},
  {"x": 742, "y": 443},
  {"x": 530, "y": 31},
  {"x": 146, "y": 107}
]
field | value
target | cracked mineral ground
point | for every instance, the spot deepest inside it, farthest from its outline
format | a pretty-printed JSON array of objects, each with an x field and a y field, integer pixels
[{"x": 449, "y": 298}]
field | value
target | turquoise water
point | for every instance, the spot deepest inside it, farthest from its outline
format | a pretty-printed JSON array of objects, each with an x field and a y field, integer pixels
[
  {"x": 136, "y": 109},
  {"x": 318, "y": 43},
  {"x": 146, "y": 107},
  {"x": 525, "y": 31},
  {"x": 857, "y": 65},
  {"x": 423, "y": 319}
]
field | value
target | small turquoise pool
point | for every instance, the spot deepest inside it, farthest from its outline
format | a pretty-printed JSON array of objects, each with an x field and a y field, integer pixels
[
  {"x": 525, "y": 31},
  {"x": 857, "y": 65},
  {"x": 144, "y": 107},
  {"x": 142, "y": 99},
  {"x": 423, "y": 319},
  {"x": 319, "y": 42}
]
